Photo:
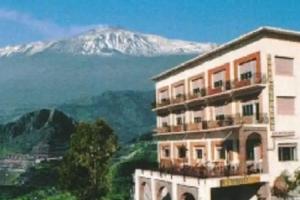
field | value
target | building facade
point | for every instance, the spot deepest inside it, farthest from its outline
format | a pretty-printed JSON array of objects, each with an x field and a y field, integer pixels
[{"x": 227, "y": 121}]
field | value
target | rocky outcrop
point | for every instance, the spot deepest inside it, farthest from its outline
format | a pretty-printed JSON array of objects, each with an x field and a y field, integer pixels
[{"x": 44, "y": 132}]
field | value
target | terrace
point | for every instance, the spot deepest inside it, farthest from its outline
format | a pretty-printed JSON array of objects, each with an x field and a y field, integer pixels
[
  {"x": 230, "y": 89},
  {"x": 227, "y": 122}
]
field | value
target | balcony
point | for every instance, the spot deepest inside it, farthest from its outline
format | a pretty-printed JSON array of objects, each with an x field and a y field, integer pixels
[
  {"x": 162, "y": 103},
  {"x": 228, "y": 90},
  {"x": 227, "y": 121},
  {"x": 213, "y": 91},
  {"x": 257, "y": 78},
  {"x": 198, "y": 94},
  {"x": 178, "y": 128},
  {"x": 210, "y": 170},
  {"x": 165, "y": 129},
  {"x": 178, "y": 99}
]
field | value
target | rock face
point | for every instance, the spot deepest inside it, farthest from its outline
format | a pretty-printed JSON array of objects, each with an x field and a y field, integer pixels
[{"x": 44, "y": 132}]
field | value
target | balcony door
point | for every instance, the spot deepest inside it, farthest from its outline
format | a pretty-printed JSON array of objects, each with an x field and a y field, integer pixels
[
  {"x": 218, "y": 79},
  {"x": 251, "y": 112},
  {"x": 254, "y": 148},
  {"x": 197, "y": 86},
  {"x": 247, "y": 70}
]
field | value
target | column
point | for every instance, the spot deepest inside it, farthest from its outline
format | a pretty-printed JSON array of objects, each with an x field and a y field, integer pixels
[
  {"x": 235, "y": 151},
  {"x": 188, "y": 153},
  {"x": 136, "y": 186},
  {"x": 153, "y": 189},
  {"x": 204, "y": 192},
  {"x": 242, "y": 150},
  {"x": 174, "y": 190}
]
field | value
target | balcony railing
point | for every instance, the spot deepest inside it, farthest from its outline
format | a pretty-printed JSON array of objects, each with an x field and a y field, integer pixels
[
  {"x": 219, "y": 169},
  {"x": 178, "y": 99},
  {"x": 225, "y": 87},
  {"x": 257, "y": 78},
  {"x": 229, "y": 120}
]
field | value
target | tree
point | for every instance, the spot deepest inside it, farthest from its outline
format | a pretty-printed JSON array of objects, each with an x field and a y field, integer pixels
[{"x": 85, "y": 166}]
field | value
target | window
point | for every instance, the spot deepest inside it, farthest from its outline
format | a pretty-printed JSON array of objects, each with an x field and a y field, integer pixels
[
  {"x": 164, "y": 96},
  {"x": 197, "y": 91},
  {"x": 286, "y": 105},
  {"x": 246, "y": 76},
  {"x": 166, "y": 152},
  {"x": 284, "y": 66},
  {"x": 220, "y": 112},
  {"x": 179, "y": 119},
  {"x": 179, "y": 91},
  {"x": 199, "y": 153},
  {"x": 220, "y": 153},
  {"x": 178, "y": 96},
  {"x": 247, "y": 69},
  {"x": 165, "y": 124},
  {"x": 218, "y": 84},
  {"x": 248, "y": 110},
  {"x": 181, "y": 151},
  {"x": 218, "y": 79},
  {"x": 197, "y": 116},
  {"x": 197, "y": 119},
  {"x": 287, "y": 152},
  {"x": 197, "y": 85},
  {"x": 220, "y": 117},
  {"x": 164, "y": 121}
]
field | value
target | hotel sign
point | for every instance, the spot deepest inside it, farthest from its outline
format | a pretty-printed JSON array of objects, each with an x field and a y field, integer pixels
[{"x": 239, "y": 181}]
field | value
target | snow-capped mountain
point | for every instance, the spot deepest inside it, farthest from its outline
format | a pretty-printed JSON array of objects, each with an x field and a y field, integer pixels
[
  {"x": 36, "y": 75},
  {"x": 108, "y": 41}
]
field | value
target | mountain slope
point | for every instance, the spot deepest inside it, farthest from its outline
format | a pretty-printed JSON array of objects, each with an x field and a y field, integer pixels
[
  {"x": 128, "y": 112},
  {"x": 40, "y": 132},
  {"x": 108, "y": 41}
]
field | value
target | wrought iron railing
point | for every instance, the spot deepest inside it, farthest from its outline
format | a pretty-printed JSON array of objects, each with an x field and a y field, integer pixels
[
  {"x": 229, "y": 120},
  {"x": 257, "y": 78},
  {"x": 202, "y": 171}
]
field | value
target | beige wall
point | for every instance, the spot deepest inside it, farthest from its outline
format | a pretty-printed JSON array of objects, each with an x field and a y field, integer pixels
[{"x": 283, "y": 86}]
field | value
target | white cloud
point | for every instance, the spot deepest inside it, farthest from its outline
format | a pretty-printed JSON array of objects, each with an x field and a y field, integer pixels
[{"x": 47, "y": 28}]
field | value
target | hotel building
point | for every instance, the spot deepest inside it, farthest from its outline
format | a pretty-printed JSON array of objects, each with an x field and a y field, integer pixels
[{"x": 227, "y": 121}]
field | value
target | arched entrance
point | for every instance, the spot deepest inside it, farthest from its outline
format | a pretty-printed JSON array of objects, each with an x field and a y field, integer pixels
[
  {"x": 187, "y": 196},
  {"x": 164, "y": 194},
  {"x": 145, "y": 191},
  {"x": 254, "y": 153}
]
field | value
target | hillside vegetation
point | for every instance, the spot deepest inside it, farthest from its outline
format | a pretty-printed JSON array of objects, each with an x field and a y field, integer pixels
[{"x": 128, "y": 112}]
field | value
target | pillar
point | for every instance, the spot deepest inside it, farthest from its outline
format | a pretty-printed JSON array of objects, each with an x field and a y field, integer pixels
[
  {"x": 136, "y": 186},
  {"x": 153, "y": 189},
  {"x": 174, "y": 191},
  {"x": 242, "y": 151}
]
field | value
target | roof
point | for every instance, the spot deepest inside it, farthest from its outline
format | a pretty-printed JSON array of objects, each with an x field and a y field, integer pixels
[{"x": 240, "y": 41}]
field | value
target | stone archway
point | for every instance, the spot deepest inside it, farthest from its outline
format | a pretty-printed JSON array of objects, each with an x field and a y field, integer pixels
[
  {"x": 164, "y": 194},
  {"x": 187, "y": 196},
  {"x": 253, "y": 150},
  {"x": 254, "y": 147},
  {"x": 145, "y": 191}
]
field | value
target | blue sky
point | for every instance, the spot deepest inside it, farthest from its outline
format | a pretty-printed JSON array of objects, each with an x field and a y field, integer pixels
[{"x": 22, "y": 21}]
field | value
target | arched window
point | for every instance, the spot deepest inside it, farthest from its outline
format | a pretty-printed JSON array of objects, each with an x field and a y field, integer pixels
[{"x": 187, "y": 196}]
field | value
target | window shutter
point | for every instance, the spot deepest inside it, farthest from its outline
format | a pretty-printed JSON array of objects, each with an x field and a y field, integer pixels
[
  {"x": 164, "y": 94},
  {"x": 285, "y": 105},
  {"x": 248, "y": 67},
  {"x": 284, "y": 66},
  {"x": 179, "y": 89},
  {"x": 197, "y": 83},
  {"x": 220, "y": 76},
  {"x": 198, "y": 113}
]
